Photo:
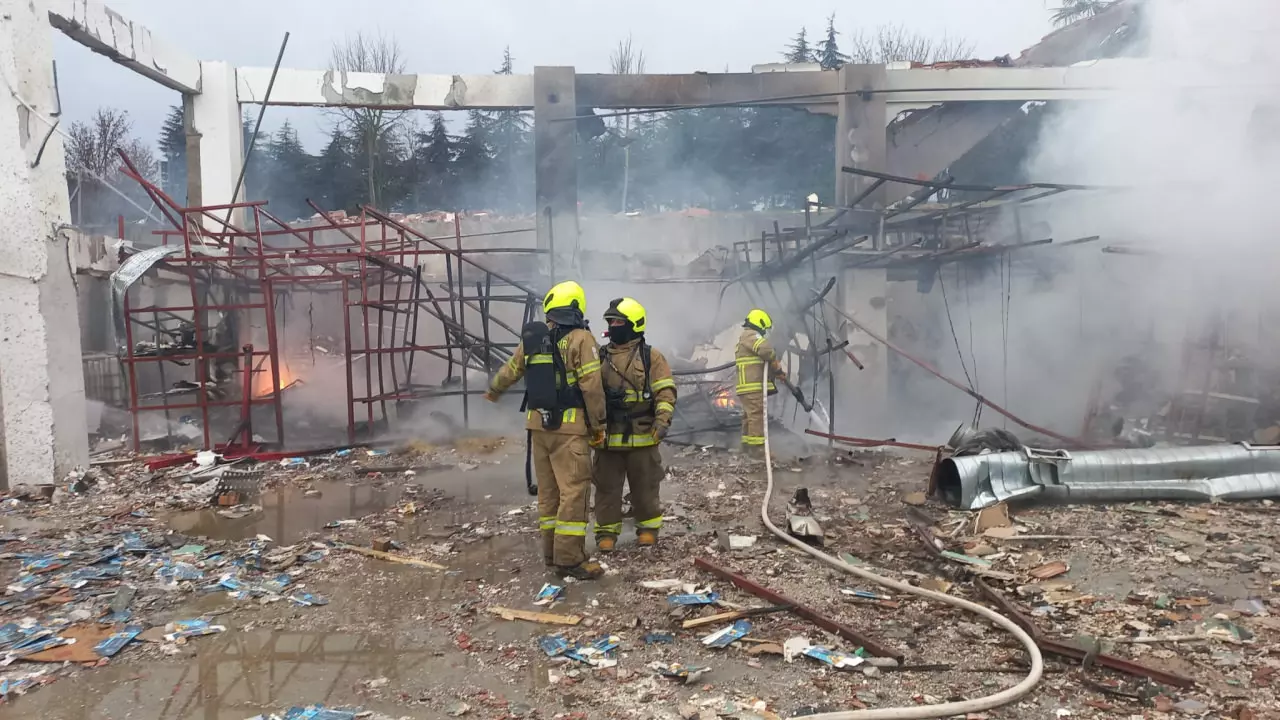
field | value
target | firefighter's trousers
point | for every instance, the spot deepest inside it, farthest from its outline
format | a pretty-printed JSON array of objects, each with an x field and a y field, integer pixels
[
  {"x": 641, "y": 469},
  {"x": 562, "y": 464},
  {"x": 752, "y": 418}
]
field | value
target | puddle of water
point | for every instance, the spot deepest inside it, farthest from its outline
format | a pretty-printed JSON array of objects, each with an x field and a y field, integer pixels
[
  {"x": 287, "y": 514},
  {"x": 241, "y": 674}
]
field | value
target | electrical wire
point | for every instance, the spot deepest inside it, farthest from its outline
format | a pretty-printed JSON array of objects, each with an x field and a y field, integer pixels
[
  {"x": 1006, "y": 273},
  {"x": 956, "y": 338},
  {"x": 915, "y": 712},
  {"x": 54, "y": 127}
]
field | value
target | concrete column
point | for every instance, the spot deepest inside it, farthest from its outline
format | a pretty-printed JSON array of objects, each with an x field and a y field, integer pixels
[
  {"x": 556, "y": 174},
  {"x": 42, "y": 403},
  {"x": 217, "y": 132},
  {"x": 194, "y": 193},
  {"x": 863, "y": 394},
  {"x": 860, "y": 133}
]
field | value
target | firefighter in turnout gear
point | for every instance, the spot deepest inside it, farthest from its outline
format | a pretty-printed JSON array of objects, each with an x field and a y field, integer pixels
[
  {"x": 560, "y": 363},
  {"x": 641, "y": 397},
  {"x": 751, "y": 355}
]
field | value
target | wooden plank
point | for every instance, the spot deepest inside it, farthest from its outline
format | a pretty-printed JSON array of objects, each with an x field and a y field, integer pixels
[
  {"x": 870, "y": 645},
  {"x": 719, "y": 617},
  {"x": 537, "y": 617},
  {"x": 390, "y": 557}
]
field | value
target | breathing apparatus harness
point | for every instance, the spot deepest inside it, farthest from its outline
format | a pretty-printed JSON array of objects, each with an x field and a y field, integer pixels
[
  {"x": 617, "y": 412},
  {"x": 546, "y": 378}
]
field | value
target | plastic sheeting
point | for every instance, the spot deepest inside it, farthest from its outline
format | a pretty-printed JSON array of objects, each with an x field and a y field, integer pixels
[
  {"x": 1206, "y": 473},
  {"x": 129, "y": 272}
]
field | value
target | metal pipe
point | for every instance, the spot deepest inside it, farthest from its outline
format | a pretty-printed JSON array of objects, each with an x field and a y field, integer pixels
[
  {"x": 1202, "y": 474},
  {"x": 868, "y": 442},
  {"x": 257, "y": 126}
]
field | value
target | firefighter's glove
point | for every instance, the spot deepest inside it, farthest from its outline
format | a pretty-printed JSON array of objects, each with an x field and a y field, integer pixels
[
  {"x": 660, "y": 431},
  {"x": 491, "y": 396},
  {"x": 597, "y": 439}
]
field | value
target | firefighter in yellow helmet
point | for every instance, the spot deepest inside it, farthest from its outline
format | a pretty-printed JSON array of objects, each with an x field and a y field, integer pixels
[
  {"x": 560, "y": 363},
  {"x": 751, "y": 355},
  {"x": 641, "y": 396}
]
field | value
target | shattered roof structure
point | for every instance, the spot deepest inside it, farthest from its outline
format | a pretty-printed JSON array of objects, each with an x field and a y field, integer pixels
[{"x": 982, "y": 141}]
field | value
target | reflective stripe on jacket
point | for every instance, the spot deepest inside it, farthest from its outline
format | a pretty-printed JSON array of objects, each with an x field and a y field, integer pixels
[
  {"x": 750, "y": 355},
  {"x": 623, "y": 369}
]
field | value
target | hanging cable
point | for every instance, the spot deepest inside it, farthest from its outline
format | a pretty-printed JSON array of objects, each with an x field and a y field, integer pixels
[
  {"x": 1008, "y": 291},
  {"x": 951, "y": 323}
]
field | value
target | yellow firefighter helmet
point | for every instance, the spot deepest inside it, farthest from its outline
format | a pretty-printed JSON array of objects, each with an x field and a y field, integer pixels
[
  {"x": 627, "y": 309},
  {"x": 759, "y": 320},
  {"x": 568, "y": 295}
]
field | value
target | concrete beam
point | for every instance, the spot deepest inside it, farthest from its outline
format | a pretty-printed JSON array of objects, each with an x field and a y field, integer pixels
[
  {"x": 42, "y": 401},
  {"x": 655, "y": 91},
  {"x": 1095, "y": 81},
  {"x": 423, "y": 92},
  {"x": 902, "y": 88},
  {"x": 108, "y": 33},
  {"x": 494, "y": 92}
]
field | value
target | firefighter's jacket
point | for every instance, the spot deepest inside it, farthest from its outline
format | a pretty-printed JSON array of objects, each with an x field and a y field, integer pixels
[
  {"x": 581, "y": 358},
  {"x": 632, "y": 424},
  {"x": 750, "y": 355}
]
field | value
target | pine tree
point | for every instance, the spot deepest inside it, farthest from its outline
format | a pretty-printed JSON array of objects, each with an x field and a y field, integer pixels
[
  {"x": 829, "y": 55},
  {"x": 258, "y": 180},
  {"x": 799, "y": 51},
  {"x": 433, "y": 171},
  {"x": 337, "y": 184},
  {"x": 173, "y": 149},
  {"x": 511, "y": 166},
  {"x": 289, "y": 167},
  {"x": 473, "y": 162}
]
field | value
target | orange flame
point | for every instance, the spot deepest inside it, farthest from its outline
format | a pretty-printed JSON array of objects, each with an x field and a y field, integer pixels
[
  {"x": 725, "y": 399},
  {"x": 264, "y": 387}
]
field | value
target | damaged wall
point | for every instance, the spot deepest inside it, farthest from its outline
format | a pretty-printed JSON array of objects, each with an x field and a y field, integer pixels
[{"x": 41, "y": 381}]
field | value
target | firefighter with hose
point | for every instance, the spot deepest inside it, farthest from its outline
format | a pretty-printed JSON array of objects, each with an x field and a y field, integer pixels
[
  {"x": 560, "y": 363},
  {"x": 640, "y": 395},
  {"x": 751, "y": 355}
]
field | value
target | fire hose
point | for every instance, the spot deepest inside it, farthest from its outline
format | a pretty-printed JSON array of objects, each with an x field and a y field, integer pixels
[{"x": 917, "y": 712}]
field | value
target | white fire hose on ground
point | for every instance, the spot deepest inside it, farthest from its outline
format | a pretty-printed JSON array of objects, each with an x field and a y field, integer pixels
[{"x": 917, "y": 712}]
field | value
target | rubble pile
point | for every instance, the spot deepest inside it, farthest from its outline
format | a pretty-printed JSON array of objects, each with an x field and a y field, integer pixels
[{"x": 1153, "y": 610}]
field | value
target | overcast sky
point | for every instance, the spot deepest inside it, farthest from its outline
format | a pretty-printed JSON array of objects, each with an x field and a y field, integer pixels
[{"x": 677, "y": 36}]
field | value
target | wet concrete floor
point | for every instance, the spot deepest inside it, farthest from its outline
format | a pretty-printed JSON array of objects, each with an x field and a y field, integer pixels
[
  {"x": 241, "y": 673},
  {"x": 288, "y": 514},
  {"x": 380, "y": 624}
]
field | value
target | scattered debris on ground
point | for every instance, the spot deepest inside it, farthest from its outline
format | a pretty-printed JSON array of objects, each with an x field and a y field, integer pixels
[{"x": 1141, "y": 609}]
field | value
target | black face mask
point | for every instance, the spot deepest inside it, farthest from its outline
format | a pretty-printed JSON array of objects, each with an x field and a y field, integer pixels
[{"x": 619, "y": 334}]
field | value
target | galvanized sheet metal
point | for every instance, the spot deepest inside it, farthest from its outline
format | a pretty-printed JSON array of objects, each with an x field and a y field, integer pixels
[
  {"x": 1212, "y": 472},
  {"x": 129, "y": 272}
]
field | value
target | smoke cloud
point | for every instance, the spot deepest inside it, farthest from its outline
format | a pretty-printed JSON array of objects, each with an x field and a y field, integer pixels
[{"x": 1188, "y": 144}]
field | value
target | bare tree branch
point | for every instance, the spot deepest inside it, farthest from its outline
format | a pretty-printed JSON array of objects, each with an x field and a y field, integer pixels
[
  {"x": 895, "y": 43},
  {"x": 627, "y": 60},
  {"x": 369, "y": 127}
]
